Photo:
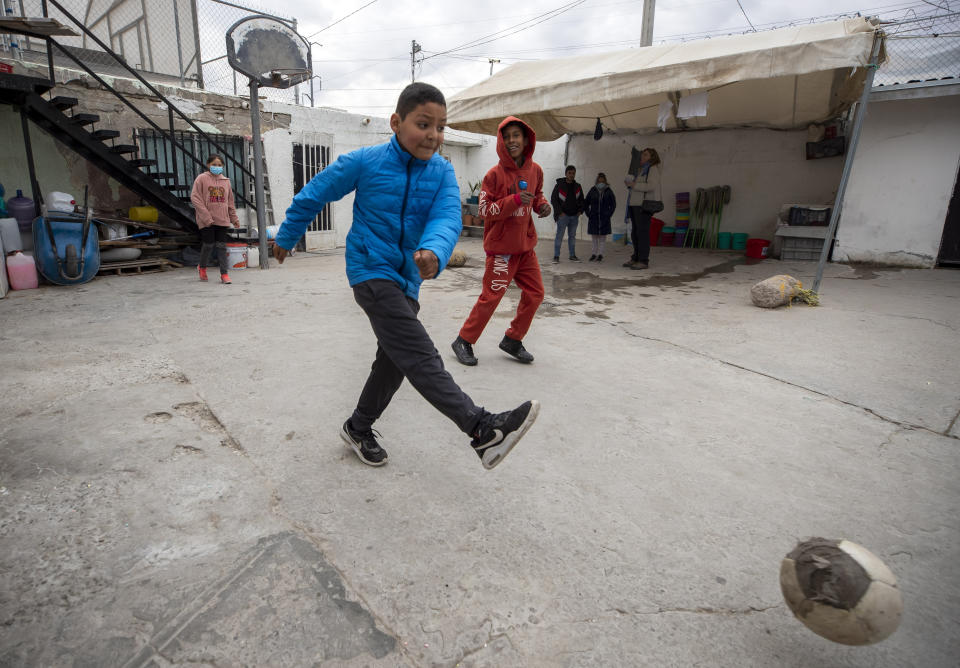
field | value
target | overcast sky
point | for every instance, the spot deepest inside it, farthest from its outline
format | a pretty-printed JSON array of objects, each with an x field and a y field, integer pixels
[{"x": 364, "y": 60}]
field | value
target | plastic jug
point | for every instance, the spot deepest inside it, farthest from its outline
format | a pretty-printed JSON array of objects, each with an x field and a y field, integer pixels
[
  {"x": 23, "y": 209},
  {"x": 22, "y": 272},
  {"x": 253, "y": 257}
]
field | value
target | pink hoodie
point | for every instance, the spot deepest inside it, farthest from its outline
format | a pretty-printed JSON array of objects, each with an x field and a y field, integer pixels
[{"x": 212, "y": 199}]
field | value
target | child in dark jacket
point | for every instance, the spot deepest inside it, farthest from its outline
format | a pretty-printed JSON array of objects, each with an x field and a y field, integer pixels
[
  {"x": 600, "y": 205},
  {"x": 511, "y": 190},
  {"x": 406, "y": 221}
]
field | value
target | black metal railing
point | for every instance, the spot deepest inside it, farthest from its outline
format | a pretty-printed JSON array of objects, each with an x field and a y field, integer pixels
[{"x": 171, "y": 134}]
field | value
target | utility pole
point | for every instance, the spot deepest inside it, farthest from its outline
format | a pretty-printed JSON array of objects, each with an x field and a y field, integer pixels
[
  {"x": 414, "y": 50},
  {"x": 492, "y": 61},
  {"x": 646, "y": 28}
]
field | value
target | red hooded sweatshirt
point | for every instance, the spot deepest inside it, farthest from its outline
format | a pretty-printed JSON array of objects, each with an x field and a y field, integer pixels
[{"x": 507, "y": 226}]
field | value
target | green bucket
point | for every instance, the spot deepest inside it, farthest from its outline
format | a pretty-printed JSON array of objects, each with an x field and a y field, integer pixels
[
  {"x": 739, "y": 241},
  {"x": 723, "y": 240}
]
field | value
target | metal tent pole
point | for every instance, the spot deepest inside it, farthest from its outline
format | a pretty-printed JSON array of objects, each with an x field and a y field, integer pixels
[
  {"x": 258, "y": 172},
  {"x": 848, "y": 160}
]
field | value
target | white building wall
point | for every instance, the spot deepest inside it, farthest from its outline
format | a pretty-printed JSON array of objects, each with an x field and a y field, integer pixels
[
  {"x": 764, "y": 168},
  {"x": 901, "y": 182}
]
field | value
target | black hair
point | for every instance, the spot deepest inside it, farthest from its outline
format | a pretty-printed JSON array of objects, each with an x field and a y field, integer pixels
[
  {"x": 212, "y": 157},
  {"x": 416, "y": 94},
  {"x": 569, "y": 167},
  {"x": 523, "y": 128}
]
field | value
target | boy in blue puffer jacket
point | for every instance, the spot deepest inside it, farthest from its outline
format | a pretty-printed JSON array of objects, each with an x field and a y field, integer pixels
[{"x": 406, "y": 221}]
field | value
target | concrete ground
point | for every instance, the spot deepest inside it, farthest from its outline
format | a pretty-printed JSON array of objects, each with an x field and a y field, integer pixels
[{"x": 173, "y": 488}]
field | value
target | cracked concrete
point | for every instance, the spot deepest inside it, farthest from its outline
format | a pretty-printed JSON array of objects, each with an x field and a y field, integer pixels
[{"x": 173, "y": 489}]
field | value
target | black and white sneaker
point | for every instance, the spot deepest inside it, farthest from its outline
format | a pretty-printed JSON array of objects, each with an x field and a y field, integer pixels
[
  {"x": 463, "y": 349},
  {"x": 515, "y": 349},
  {"x": 497, "y": 434},
  {"x": 364, "y": 443}
]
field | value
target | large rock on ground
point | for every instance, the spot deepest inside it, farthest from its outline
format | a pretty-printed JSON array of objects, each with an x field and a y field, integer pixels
[
  {"x": 775, "y": 291},
  {"x": 457, "y": 258}
]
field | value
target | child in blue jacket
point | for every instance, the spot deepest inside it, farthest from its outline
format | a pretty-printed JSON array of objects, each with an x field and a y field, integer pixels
[{"x": 406, "y": 221}]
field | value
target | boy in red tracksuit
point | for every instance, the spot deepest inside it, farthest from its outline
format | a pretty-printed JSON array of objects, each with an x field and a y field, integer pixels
[{"x": 510, "y": 192}]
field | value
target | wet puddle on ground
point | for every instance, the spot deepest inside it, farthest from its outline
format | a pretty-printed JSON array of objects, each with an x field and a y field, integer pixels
[{"x": 584, "y": 284}]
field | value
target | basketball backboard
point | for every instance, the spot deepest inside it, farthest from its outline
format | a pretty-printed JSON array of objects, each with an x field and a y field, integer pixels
[{"x": 269, "y": 52}]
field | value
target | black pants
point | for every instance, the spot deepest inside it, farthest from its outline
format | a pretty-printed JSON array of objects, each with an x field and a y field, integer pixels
[
  {"x": 640, "y": 234},
  {"x": 404, "y": 350},
  {"x": 210, "y": 236}
]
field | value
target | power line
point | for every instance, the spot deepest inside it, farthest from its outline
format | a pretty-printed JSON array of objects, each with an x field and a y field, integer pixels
[
  {"x": 745, "y": 15},
  {"x": 341, "y": 19},
  {"x": 494, "y": 36}
]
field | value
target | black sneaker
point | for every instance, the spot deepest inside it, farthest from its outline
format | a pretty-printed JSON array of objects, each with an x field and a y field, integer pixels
[
  {"x": 556, "y": 259},
  {"x": 591, "y": 258},
  {"x": 574, "y": 258},
  {"x": 464, "y": 352},
  {"x": 515, "y": 348},
  {"x": 364, "y": 443},
  {"x": 497, "y": 434},
  {"x": 599, "y": 258}
]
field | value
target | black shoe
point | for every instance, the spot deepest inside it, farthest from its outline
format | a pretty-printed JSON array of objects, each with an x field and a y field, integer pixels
[
  {"x": 556, "y": 259},
  {"x": 515, "y": 348},
  {"x": 574, "y": 258},
  {"x": 497, "y": 434},
  {"x": 639, "y": 265},
  {"x": 599, "y": 258},
  {"x": 464, "y": 352},
  {"x": 629, "y": 264},
  {"x": 364, "y": 443},
  {"x": 592, "y": 258}
]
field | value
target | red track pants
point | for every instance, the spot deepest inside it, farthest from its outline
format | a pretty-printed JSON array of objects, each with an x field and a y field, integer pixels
[{"x": 524, "y": 270}]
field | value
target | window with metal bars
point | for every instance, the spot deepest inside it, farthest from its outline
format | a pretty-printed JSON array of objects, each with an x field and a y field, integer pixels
[
  {"x": 308, "y": 161},
  {"x": 156, "y": 146}
]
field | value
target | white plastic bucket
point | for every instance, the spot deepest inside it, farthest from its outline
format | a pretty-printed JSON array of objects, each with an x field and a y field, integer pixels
[{"x": 237, "y": 256}]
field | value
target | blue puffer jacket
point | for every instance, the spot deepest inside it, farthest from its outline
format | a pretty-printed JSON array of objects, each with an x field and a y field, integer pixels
[{"x": 402, "y": 204}]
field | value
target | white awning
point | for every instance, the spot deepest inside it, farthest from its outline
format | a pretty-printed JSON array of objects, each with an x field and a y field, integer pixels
[{"x": 785, "y": 79}]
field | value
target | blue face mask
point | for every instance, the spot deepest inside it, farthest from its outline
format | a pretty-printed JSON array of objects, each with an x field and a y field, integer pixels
[
  {"x": 216, "y": 170},
  {"x": 601, "y": 186}
]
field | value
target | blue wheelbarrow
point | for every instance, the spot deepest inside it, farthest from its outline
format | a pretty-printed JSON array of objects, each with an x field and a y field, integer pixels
[{"x": 66, "y": 248}]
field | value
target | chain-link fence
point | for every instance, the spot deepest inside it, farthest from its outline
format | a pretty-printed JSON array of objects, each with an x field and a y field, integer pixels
[
  {"x": 924, "y": 48},
  {"x": 175, "y": 41}
]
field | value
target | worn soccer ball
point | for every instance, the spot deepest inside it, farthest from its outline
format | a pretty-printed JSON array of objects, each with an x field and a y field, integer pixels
[
  {"x": 841, "y": 591},
  {"x": 457, "y": 258}
]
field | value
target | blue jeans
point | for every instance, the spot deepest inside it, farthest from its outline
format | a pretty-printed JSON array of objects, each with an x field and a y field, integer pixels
[{"x": 568, "y": 223}]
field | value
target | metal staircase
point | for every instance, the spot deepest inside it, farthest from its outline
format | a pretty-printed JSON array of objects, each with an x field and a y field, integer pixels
[{"x": 161, "y": 185}]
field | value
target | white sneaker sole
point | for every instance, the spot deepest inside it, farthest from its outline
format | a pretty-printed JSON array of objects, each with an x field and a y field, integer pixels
[
  {"x": 356, "y": 448},
  {"x": 496, "y": 454}
]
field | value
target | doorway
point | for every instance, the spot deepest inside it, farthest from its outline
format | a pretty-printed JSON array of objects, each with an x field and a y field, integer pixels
[{"x": 950, "y": 244}]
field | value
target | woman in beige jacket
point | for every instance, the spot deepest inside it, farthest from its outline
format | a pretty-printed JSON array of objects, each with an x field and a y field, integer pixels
[{"x": 645, "y": 184}]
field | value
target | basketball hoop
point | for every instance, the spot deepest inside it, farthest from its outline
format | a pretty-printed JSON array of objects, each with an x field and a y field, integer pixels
[
  {"x": 272, "y": 55},
  {"x": 269, "y": 52}
]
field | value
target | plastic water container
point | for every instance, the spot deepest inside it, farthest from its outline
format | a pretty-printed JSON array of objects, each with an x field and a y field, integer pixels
[
  {"x": 144, "y": 214},
  {"x": 22, "y": 272},
  {"x": 24, "y": 210},
  {"x": 10, "y": 234},
  {"x": 253, "y": 257},
  {"x": 58, "y": 202},
  {"x": 237, "y": 256},
  {"x": 723, "y": 240},
  {"x": 739, "y": 241}
]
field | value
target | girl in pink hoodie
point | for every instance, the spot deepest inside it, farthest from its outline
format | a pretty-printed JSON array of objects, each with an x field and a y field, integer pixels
[{"x": 212, "y": 199}]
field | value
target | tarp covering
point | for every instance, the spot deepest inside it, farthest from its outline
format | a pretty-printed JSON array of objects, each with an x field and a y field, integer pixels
[{"x": 786, "y": 79}]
